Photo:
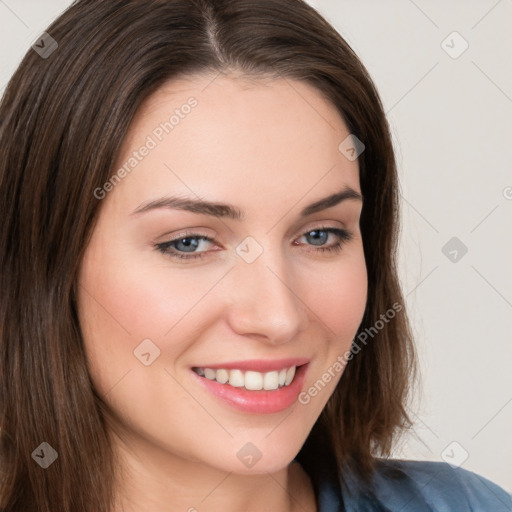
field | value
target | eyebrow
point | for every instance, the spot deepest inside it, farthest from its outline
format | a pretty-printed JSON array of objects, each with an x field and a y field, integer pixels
[{"x": 223, "y": 210}]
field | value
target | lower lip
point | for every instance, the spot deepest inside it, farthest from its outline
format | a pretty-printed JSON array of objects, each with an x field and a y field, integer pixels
[{"x": 259, "y": 402}]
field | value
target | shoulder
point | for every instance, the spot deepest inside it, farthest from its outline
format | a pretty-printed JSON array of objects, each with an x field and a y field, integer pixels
[{"x": 426, "y": 486}]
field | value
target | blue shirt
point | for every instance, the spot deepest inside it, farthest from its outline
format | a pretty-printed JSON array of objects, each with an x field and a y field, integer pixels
[{"x": 415, "y": 486}]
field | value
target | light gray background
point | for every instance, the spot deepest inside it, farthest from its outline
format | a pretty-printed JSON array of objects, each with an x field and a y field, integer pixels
[{"x": 452, "y": 125}]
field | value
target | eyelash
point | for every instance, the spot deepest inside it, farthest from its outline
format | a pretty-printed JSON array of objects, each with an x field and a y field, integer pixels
[{"x": 342, "y": 234}]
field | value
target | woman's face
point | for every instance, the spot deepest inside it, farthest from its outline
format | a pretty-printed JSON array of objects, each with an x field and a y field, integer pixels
[{"x": 173, "y": 295}]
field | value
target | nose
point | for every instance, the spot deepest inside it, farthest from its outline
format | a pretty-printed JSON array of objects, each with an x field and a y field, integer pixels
[{"x": 265, "y": 300}]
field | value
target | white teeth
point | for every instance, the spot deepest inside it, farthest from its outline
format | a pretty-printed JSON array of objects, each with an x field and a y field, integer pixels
[
  {"x": 236, "y": 379},
  {"x": 209, "y": 373},
  {"x": 271, "y": 381},
  {"x": 222, "y": 376},
  {"x": 253, "y": 381},
  {"x": 289, "y": 375}
]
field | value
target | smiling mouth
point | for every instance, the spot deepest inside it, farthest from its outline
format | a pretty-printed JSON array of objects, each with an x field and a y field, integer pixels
[{"x": 250, "y": 380}]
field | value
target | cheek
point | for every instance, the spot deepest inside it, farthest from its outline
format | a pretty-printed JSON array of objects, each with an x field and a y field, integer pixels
[
  {"x": 145, "y": 296},
  {"x": 126, "y": 299},
  {"x": 339, "y": 301},
  {"x": 115, "y": 312},
  {"x": 337, "y": 295}
]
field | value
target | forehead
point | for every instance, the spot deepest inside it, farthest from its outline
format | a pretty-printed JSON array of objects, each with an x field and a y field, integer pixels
[{"x": 209, "y": 134}]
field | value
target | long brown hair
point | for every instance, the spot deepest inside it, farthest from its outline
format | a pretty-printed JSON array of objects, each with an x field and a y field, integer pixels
[{"x": 63, "y": 119}]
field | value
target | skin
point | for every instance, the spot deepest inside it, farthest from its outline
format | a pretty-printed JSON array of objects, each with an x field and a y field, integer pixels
[{"x": 270, "y": 148}]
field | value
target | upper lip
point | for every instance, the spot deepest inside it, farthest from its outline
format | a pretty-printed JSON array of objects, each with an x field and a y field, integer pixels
[{"x": 258, "y": 365}]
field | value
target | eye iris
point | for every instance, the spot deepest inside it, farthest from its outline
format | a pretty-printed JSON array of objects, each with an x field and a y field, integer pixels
[
  {"x": 190, "y": 246},
  {"x": 313, "y": 235}
]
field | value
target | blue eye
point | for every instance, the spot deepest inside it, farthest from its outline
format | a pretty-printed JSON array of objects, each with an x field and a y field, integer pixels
[
  {"x": 187, "y": 244},
  {"x": 184, "y": 247},
  {"x": 321, "y": 234}
]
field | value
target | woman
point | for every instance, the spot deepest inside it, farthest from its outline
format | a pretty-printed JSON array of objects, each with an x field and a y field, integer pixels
[{"x": 200, "y": 304}]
